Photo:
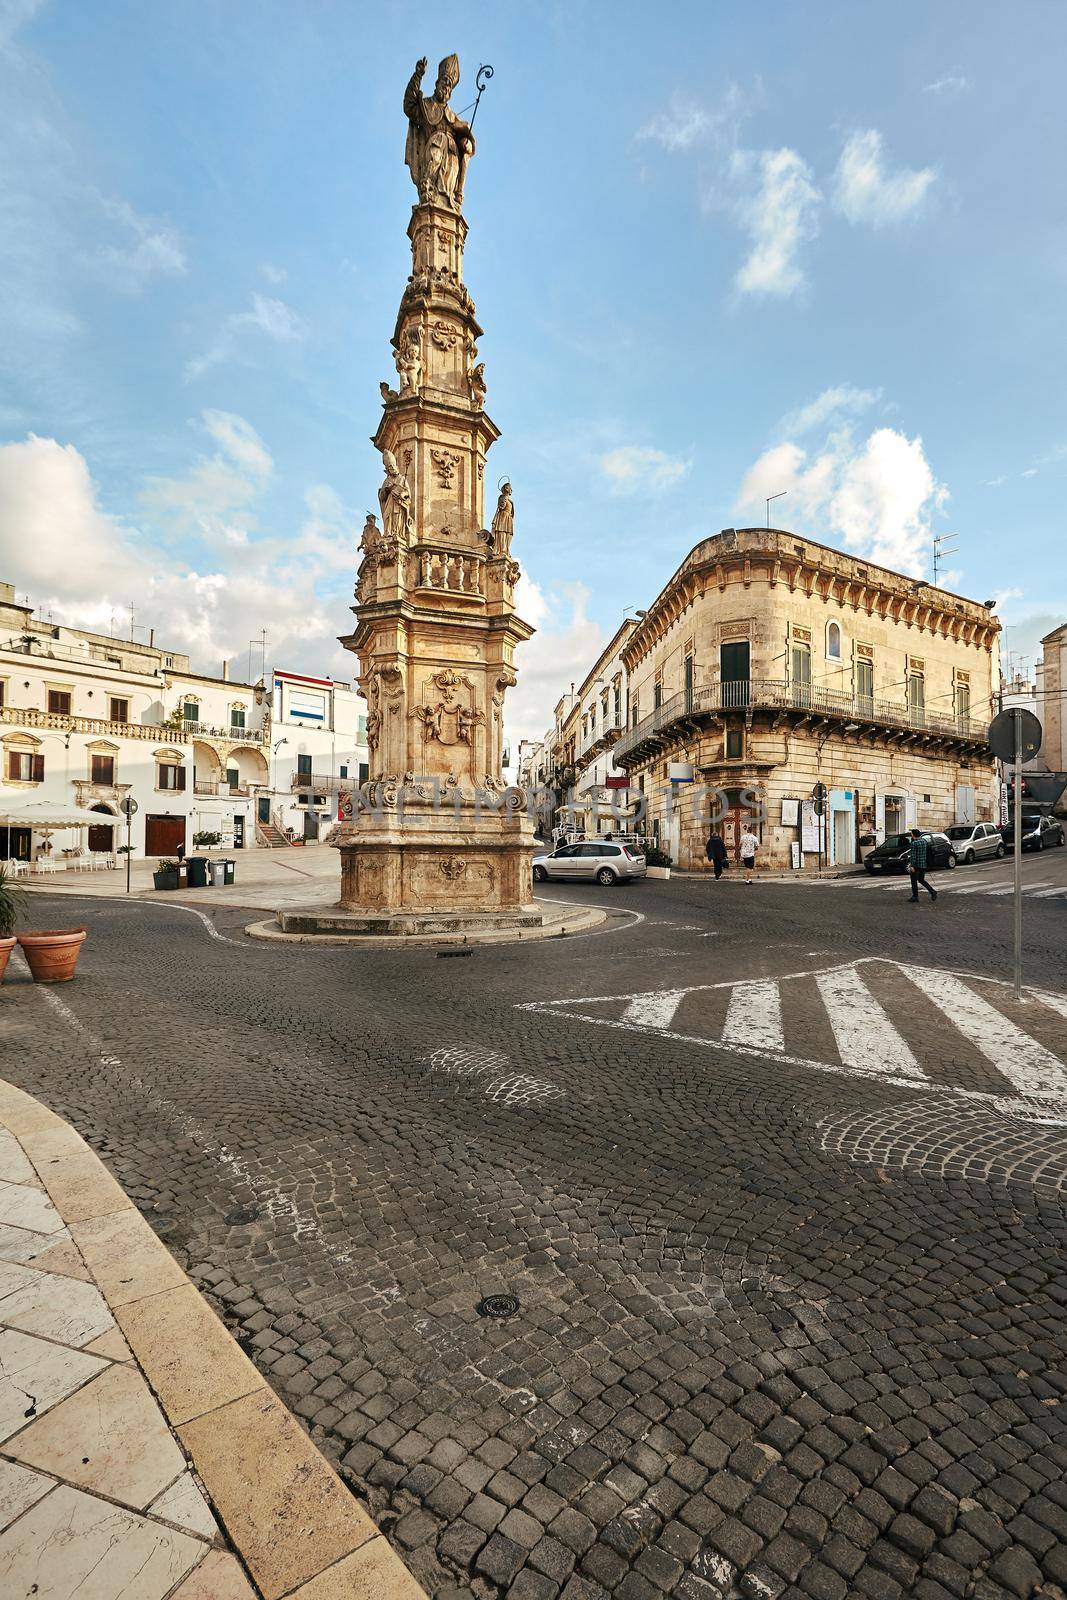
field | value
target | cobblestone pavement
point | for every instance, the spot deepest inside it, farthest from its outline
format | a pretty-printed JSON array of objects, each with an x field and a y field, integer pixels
[{"x": 783, "y": 1214}]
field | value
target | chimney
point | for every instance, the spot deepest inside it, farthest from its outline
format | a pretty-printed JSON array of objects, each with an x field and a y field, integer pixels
[
  {"x": 151, "y": 637},
  {"x": 225, "y": 672}
]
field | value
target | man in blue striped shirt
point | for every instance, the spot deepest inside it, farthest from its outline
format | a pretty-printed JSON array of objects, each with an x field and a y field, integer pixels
[{"x": 918, "y": 853}]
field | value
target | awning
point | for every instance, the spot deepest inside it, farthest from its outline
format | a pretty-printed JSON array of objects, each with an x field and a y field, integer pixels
[{"x": 48, "y": 816}]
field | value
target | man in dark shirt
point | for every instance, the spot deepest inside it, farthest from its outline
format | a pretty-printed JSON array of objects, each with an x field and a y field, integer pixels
[
  {"x": 918, "y": 853},
  {"x": 716, "y": 852}
]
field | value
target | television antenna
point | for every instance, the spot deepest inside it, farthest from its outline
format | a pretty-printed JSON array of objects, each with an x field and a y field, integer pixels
[{"x": 943, "y": 549}]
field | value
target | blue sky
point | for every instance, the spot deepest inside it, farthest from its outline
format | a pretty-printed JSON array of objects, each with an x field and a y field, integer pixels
[{"x": 744, "y": 249}]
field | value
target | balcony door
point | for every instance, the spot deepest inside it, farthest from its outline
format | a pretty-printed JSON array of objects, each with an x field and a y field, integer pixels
[
  {"x": 865, "y": 687},
  {"x": 801, "y": 665},
  {"x": 916, "y": 697},
  {"x": 689, "y": 683},
  {"x": 734, "y": 672}
]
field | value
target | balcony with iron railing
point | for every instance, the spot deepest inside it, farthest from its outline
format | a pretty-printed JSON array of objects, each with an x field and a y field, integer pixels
[
  {"x": 773, "y": 694},
  {"x": 599, "y": 739},
  {"x": 215, "y": 788},
  {"x": 322, "y": 783}
]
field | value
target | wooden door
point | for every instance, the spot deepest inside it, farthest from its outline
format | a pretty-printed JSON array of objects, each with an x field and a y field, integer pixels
[{"x": 163, "y": 835}]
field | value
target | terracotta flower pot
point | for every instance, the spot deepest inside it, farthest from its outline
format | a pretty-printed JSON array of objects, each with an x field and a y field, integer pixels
[
  {"x": 6, "y": 947},
  {"x": 52, "y": 956}
]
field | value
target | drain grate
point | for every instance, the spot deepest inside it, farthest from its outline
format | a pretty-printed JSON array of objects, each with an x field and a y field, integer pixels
[{"x": 498, "y": 1305}]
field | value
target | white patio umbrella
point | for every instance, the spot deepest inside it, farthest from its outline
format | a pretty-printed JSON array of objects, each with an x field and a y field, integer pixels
[{"x": 47, "y": 816}]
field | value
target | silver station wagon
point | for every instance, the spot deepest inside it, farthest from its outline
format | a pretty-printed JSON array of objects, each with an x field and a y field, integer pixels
[
  {"x": 592, "y": 860},
  {"x": 972, "y": 841}
]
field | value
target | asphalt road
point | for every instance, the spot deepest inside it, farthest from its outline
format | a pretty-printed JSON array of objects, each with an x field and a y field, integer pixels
[{"x": 775, "y": 1174}]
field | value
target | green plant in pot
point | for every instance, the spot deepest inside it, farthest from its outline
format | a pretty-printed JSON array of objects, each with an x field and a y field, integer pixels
[
  {"x": 166, "y": 875},
  {"x": 12, "y": 907}
]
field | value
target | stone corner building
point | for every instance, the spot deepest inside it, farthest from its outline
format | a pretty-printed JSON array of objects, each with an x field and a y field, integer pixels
[
  {"x": 771, "y": 662},
  {"x": 435, "y": 845}
]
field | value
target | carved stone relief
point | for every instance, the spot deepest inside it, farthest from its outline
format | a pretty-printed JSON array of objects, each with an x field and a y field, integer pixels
[
  {"x": 445, "y": 464},
  {"x": 444, "y": 335}
]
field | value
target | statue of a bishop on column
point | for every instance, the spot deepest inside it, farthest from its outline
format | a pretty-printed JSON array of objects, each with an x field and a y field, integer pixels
[{"x": 440, "y": 144}]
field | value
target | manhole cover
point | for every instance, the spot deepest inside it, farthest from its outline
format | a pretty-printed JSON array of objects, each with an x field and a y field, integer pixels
[
  {"x": 498, "y": 1305},
  {"x": 240, "y": 1215}
]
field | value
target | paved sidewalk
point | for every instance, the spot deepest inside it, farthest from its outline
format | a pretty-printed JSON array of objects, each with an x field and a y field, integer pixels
[{"x": 133, "y": 1430}]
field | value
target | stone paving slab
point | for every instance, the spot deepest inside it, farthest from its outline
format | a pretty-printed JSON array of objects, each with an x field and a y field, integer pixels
[{"x": 141, "y": 1454}]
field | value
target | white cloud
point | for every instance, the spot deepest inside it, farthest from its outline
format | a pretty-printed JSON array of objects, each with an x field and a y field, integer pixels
[
  {"x": 951, "y": 84},
  {"x": 679, "y": 127},
  {"x": 274, "y": 275},
  {"x": 564, "y": 647},
  {"x": 298, "y": 587},
  {"x": 239, "y": 440},
  {"x": 1030, "y": 472},
  {"x": 215, "y": 501},
  {"x": 269, "y": 317},
  {"x": 994, "y": 483},
  {"x": 833, "y": 404},
  {"x": 864, "y": 191},
  {"x": 151, "y": 248},
  {"x": 631, "y": 468},
  {"x": 878, "y": 497},
  {"x": 780, "y": 213}
]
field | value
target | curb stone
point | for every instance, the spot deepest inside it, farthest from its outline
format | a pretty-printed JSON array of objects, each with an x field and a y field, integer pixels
[{"x": 297, "y": 1529}]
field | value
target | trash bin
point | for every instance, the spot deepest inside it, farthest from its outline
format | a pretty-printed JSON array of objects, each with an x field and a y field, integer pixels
[
  {"x": 218, "y": 873},
  {"x": 196, "y": 867},
  {"x": 228, "y": 865}
]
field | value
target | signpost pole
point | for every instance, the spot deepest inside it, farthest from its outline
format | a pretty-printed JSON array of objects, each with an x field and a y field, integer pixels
[
  {"x": 1018, "y": 831},
  {"x": 128, "y": 852}
]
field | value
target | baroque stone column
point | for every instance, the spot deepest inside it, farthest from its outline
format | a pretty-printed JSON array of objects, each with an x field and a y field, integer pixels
[{"x": 437, "y": 842}]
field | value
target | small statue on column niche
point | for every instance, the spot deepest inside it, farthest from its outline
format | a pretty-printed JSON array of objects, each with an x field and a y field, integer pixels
[
  {"x": 409, "y": 358},
  {"x": 475, "y": 373},
  {"x": 498, "y": 537},
  {"x": 440, "y": 144},
  {"x": 394, "y": 497}
]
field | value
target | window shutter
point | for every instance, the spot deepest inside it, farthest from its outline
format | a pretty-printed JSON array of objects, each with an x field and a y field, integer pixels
[
  {"x": 179, "y": 774},
  {"x": 37, "y": 769}
]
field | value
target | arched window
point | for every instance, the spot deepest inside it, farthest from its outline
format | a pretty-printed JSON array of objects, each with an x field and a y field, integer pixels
[{"x": 833, "y": 641}]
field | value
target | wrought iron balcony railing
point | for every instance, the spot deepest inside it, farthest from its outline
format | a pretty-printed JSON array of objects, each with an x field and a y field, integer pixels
[{"x": 753, "y": 694}]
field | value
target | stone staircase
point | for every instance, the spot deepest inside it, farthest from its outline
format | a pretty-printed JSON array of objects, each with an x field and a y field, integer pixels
[{"x": 270, "y": 835}]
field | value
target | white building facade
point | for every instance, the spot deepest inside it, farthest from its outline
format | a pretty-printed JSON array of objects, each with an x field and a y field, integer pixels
[
  {"x": 318, "y": 753},
  {"x": 89, "y": 720}
]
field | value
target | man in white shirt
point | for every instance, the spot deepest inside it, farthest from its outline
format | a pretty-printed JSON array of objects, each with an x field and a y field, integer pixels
[{"x": 749, "y": 844}]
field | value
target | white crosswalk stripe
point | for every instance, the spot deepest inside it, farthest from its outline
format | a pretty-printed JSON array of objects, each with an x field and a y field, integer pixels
[
  {"x": 754, "y": 1016},
  {"x": 864, "y": 1035},
  {"x": 1026, "y": 1063},
  {"x": 654, "y": 1010}
]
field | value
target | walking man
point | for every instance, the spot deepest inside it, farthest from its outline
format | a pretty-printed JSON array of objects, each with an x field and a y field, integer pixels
[
  {"x": 749, "y": 844},
  {"x": 716, "y": 852},
  {"x": 918, "y": 851}
]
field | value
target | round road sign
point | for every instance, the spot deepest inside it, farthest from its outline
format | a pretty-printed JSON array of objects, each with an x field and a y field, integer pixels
[
  {"x": 129, "y": 806},
  {"x": 1002, "y": 734}
]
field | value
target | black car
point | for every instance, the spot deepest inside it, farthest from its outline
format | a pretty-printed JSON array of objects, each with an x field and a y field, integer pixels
[
  {"x": 892, "y": 854},
  {"x": 1039, "y": 833}
]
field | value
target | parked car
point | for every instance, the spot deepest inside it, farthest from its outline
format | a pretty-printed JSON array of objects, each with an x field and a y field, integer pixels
[
  {"x": 599, "y": 860},
  {"x": 892, "y": 854},
  {"x": 1039, "y": 833},
  {"x": 974, "y": 841}
]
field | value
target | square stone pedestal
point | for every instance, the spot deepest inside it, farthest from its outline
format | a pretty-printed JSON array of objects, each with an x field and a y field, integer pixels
[{"x": 428, "y": 872}]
